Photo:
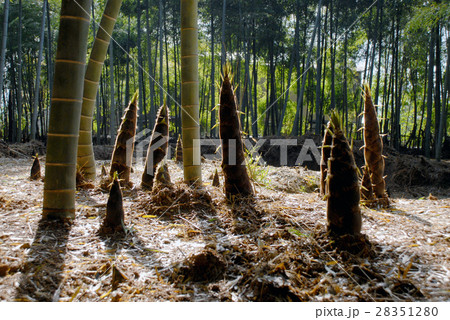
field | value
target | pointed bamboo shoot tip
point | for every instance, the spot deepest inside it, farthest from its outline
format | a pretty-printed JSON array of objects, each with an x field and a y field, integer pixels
[{"x": 135, "y": 97}]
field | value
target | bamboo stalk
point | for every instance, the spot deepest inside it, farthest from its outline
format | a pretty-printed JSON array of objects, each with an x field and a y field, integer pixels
[
  {"x": 60, "y": 168},
  {"x": 190, "y": 92},
  {"x": 85, "y": 158}
]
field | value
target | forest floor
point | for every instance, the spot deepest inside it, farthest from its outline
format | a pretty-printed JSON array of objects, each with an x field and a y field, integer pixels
[{"x": 192, "y": 245}]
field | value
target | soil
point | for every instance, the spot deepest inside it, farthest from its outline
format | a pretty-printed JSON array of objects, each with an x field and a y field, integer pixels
[{"x": 184, "y": 244}]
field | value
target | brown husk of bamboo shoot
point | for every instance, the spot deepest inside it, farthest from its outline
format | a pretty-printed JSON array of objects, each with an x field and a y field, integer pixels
[
  {"x": 326, "y": 149},
  {"x": 179, "y": 150},
  {"x": 35, "y": 173},
  {"x": 237, "y": 181},
  {"x": 124, "y": 146},
  {"x": 103, "y": 172},
  {"x": 114, "y": 219},
  {"x": 163, "y": 175},
  {"x": 343, "y": 211},
  {"x": 215, "y": 181},
  {"x": 157, "y": 148},
  {"x": 117, "y": 277},
  {"x": 366, "y": 185},
  {"x": 373, "y": 149},
  {"x": 82, "y": 182}
]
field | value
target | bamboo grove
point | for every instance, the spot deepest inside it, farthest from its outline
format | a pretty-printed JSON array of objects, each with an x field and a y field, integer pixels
[{"x": 293, "y": 61}]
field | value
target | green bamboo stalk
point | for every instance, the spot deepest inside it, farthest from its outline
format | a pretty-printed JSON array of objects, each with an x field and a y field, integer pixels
[
  {"x": 62, "y": 138},
  {"x": 85, "y": 158},
  {"x": 190, "y": 92}
]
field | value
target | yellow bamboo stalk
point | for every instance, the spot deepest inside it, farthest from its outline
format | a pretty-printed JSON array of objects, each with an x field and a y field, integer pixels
[
  {"x": 190, "y": 92},
  {"x": 85, "y": 158},
  {"x": 60, "y": 168}
]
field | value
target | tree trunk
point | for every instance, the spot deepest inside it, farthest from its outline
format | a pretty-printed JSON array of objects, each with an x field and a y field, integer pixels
[
  {"x": 266, "y": 113},
  {"x": 427, "y": 142},
  {"x": 294, "y": 57},
  {"x": 250, "y": 109},
  {"x": 112, "y": 110},
  {"x": 361, "y": 100},
  {"x": 422, "y": 115},
  {"x": 397, "y": 93},
  {"x": 85, "y": 157},
  {"x": 443, "y": 115},
  {"x": 49, "y": 64},
  {"x": 60, "y": 167},
  {"x": 344, "y": 102},
  {"x": 11, "y": 115},
  {"x": 104, "y": 107},
  {"x": 333, "y": 23},
  {"x": 386, "y": 93},
  {"x": 255, "y": 87},
  {"x": 247, "y": 84},
  {"x": 189, "y": 92},
  {"x": 202, "y": 86},
  {"x": 213, "y": 85},
  {"x": 372, "y": 56},
  {"x": 38, "y": 74},
  {"x": 305, "y": 11},
  {"x": 98, "y": 118},
  {"x": 224, "y": 51},
  {"x": 380, "y": 50},
  {"x": 318, "y": 78},
  {"x": 295, "y": 127},
  {"x": 140, "y": 74},
  {"x": 166, "y": 41},
  {"x": 150, "y": 69},
  {"x": 127, "y": 72},
  {"x": 19, "y": 80},
  {"x": 324, "y": 68},
  {"x": 175, "y": 87},
  {"x": 161, "y": 75},
  {"x": 4, "y": 38},
  {"x": 437, "y": 92},
  {"x": 413, "y": 80},
  {"x": 271, "y": 93}
]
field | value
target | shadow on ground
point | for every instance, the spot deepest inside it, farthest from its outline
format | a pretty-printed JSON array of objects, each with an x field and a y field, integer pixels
[{"x": 42, "y": 273}]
